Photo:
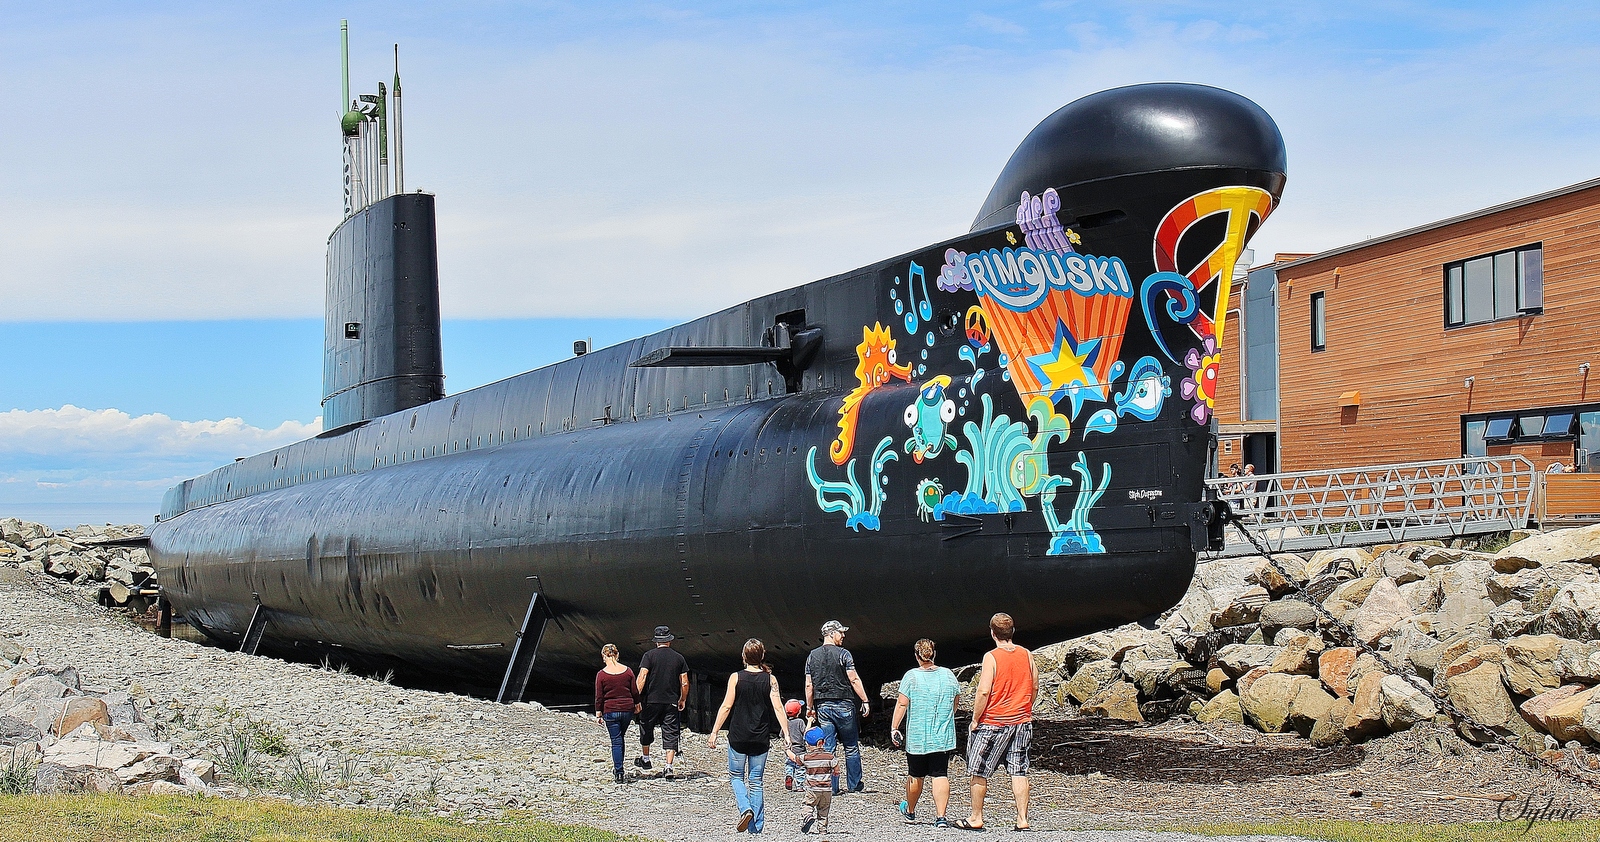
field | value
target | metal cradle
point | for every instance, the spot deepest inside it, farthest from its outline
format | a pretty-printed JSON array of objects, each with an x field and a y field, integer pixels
[{"x": 1314, "y": 510}]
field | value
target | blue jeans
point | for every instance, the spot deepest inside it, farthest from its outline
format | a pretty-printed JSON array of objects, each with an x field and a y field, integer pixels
[
  {"x": 617, "y": 727},
  {"x": 747, "y": 793},
  {"x": 839, "y": 726}
]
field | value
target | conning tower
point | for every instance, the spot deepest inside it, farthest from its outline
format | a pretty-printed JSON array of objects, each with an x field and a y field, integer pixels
[{"x": 381, "y": 345}]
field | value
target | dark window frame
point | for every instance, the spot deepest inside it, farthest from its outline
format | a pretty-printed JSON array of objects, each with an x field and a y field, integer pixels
[
  {"x": 1456, "y": 291},
  {"x": 1319, "y": 321}
]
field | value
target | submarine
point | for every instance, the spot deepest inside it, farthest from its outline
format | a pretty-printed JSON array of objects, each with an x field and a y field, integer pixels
[{"x": 1017, "y": 419}]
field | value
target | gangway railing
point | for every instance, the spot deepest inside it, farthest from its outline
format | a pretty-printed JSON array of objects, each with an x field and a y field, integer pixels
[{"x": 1378, "y": 504}]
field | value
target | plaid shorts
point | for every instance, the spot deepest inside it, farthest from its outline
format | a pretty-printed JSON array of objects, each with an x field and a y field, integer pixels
[{"x": 991, "y": 746}]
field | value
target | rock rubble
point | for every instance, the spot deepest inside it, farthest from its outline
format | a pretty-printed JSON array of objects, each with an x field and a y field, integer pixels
[
  {"x": 1508, "y": 637},
  {"x": 115, "y": 574}
]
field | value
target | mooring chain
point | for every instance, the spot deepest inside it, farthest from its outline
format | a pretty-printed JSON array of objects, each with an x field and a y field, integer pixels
[{"x": 1407, "y": 674}]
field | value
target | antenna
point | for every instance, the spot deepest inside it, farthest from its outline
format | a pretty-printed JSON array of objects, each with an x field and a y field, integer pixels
[
  {"x": 344, "y": 61},
  {"x": 399, "y": 143},
  {"x": 382, "y": 118}
]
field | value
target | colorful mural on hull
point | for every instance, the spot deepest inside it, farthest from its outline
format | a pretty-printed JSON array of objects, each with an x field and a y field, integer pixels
[{"x": 1055, "y": 317}]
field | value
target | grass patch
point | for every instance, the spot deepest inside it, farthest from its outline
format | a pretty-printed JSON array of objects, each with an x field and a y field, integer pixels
[
  {"x": 107, "y": 818},
  {"x": 1345, "y": 831}
]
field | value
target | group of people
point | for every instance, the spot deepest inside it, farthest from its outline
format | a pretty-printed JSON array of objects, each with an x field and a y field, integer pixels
[{"x": 813, "y": 731}]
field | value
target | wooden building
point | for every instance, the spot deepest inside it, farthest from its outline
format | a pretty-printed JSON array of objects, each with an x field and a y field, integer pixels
[{"x": 1468, "y": 336}]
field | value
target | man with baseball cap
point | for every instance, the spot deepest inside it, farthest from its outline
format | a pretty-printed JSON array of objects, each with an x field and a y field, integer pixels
[
  {"x": 663, "y": 686},
  {"x": 832, "y": 691}
]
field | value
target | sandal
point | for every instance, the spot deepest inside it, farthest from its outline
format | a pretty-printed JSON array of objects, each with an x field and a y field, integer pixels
[
  {"x": 963, "y": 824},
  {"x": 1025, "y": 828}
]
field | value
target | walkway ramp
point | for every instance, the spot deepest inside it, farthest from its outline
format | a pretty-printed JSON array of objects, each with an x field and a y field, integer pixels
[{"x": 1379, "y": 504}]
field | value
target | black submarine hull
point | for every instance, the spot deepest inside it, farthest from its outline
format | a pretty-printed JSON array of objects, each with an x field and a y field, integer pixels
[{"x": 1015, "y": 420}]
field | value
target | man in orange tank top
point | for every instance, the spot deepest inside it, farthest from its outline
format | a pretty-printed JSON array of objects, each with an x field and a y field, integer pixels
[{"x": 1002, "y": 721}]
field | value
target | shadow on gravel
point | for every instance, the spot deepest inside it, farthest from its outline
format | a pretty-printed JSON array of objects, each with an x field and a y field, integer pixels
[{"x": 1139, "y": 753}]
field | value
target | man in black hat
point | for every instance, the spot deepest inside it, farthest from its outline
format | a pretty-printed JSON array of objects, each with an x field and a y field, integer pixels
[
  {"x": 663, "y": 685},
  {"x": 835, "y": 692}
]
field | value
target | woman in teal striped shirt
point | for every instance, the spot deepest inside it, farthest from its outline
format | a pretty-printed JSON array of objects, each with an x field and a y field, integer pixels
[{"x": 928, "y": 694}]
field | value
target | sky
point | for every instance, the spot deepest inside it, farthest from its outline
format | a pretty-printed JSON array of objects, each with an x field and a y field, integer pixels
[{"x": 172, "y": 171}]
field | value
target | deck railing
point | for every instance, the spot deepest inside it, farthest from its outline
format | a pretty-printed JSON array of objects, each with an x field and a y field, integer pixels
[{"x": 1447, "y": 498}]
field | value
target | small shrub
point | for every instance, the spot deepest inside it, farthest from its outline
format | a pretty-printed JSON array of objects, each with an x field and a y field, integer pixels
[
  {"x": 237, "y": 758},
  {"x": 303, "y": 780},
  {"x": 16, "y": 776}
]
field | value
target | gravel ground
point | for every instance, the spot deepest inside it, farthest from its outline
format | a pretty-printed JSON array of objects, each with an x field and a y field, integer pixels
[{"x": 395, "y": 748}]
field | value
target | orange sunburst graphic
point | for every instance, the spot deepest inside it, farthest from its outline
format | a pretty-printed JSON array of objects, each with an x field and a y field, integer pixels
[{"x": 1242, "y": 205}]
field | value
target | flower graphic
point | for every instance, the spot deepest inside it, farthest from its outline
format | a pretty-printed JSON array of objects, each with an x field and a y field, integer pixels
[{"x": 1201, "y": 386}]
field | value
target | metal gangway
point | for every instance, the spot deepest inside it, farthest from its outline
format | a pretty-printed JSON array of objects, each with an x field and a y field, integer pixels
[{"x": 1379, "y": 504}]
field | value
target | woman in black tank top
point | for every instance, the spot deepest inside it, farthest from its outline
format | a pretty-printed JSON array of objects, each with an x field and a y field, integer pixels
[{"x": 752, "y": 710}]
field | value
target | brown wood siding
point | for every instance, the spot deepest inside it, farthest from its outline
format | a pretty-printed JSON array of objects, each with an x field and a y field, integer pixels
[
  {"x": 1229, "y": 397},
  {"x": 1571, "y": 495},
  {"x": 1386, "y": 339}
]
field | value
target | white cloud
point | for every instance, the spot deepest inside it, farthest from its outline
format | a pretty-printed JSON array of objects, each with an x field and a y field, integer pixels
[
  {"x": 72, "y": 465},
  {"x": 72, "y": 433}
]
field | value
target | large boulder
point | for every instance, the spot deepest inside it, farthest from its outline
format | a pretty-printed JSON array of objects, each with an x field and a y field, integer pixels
[
  {"x": 1333, "y": 668},
  {"x": 1423, "y": 596},
  {"x": 1575, "y": 612},
  {"x": 1240, "y": 658},
  {"x": 1512, "y": 619},
  {"x": 1329, "y": 730},
  {"x": 1564, "y": 719},
  {"x": 1403, "y": 704},
  {"x": 1541, "y": 709},
  {"x": 1480, "y": 694},
  {"x": 1148, "y": 675},
  {"x": 1243, "y": 608},
  {"x": 1091, "y": 678},
  {"x": 1286, "y": 614},
  {"x": 1465, "y": 606},
  {"x": 1297, "y": 652},
  {"x": 1354, "y": 591},
  {"x": 1117, "y": 700},
  {"x": 1223, "y": 706},
  {"x": 1581, "y": 545},
  {"x": 1382, "y": 609},
  {"x": 1310, "y": 704},
  {"x": 1266, "y": 701},
  {"x": 79, "y": 711},
  {"x": 1352, "y": 558},
  {"x": 1578, "y": 662},
  {"x": 1365, "y": 716},
  {"x": 1531, "y": 664},
  {"x": 1399, "y": 567}
]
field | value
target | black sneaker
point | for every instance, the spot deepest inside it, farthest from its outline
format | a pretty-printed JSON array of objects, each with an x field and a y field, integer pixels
[
  {"x": 642, "y": 762},
  {"x": 618, "y": 776},
  {"x": 805, "y": 826}
]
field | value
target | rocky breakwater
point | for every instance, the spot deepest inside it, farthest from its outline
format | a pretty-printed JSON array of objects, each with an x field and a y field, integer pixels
[
  {"x": 1508, "y": 637},
  {"x": 60, "y": 735},
  {"x": 115, "y": 574}
]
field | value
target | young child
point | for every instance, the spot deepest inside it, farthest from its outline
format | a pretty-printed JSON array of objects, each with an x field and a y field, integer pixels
[
  {"x": 793, "y": 773},
  {"x": 821, "y": 768}
]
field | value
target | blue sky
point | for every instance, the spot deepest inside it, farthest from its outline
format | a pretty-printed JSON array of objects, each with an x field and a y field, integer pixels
[{"x": 172, "y": 173}]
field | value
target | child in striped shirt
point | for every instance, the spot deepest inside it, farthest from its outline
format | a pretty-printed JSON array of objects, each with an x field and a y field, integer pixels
[{"x": 821, "y": 768}]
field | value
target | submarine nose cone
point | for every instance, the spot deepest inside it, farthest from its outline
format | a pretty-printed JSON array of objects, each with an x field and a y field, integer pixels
[{"x": 1138, "y": 129}]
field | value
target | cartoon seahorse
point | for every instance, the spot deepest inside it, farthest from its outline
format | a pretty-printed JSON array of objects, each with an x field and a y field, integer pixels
[{"x": 875, "y": 365}]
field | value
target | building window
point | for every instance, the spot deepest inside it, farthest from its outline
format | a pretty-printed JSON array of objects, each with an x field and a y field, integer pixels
[
  {"x": 1319, "y": 321},
  {"x": 1495, "y": 286}
]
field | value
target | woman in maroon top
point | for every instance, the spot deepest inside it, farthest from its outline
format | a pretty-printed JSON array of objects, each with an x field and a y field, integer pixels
[{"x": 614, "y": 704}]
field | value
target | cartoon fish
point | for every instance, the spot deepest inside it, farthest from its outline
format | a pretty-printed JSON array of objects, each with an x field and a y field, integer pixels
[
  {"x": 927, "y": 417},
  {"x": 1147, "y": 389},
  {"x": 875, "y": 364}
]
